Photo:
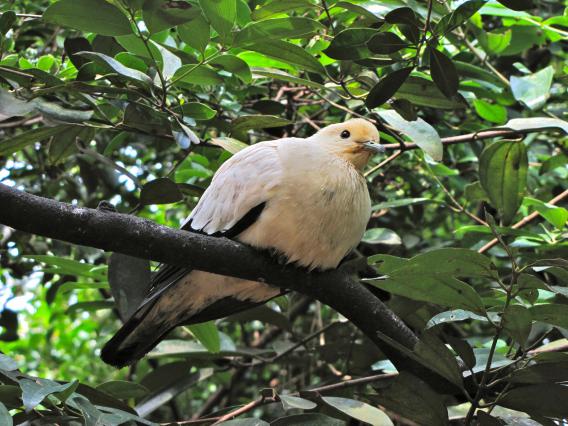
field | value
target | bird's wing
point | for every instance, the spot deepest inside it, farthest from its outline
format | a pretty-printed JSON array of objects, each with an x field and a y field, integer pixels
[{"x": 234, "y": 200}]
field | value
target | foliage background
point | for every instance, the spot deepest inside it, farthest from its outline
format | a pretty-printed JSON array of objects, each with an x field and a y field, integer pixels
[{"x": 85, "y": 118}]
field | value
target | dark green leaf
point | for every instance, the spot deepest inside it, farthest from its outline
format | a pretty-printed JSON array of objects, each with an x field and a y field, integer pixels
[
  {"x": 350, "y": 44},
  {"x": 265, "y": 314},
  {"x": 247, "y": 122},
  {"x": 443, "y": 72},
  {"x": 452, "y": 316},
  {"x": 10, "y": 106},
  {"x": 122, "y": 389},
  {"x": 517, "y": 321},
  {"x": 359, "y": 410},
  {"x": 503, "y": 175},
  {"x": 420, "y": 132},
  {"x": 279, "y": 28},
  {"x": 485, "y": 419},
  {"x": 108, "y": 19},
  {"x": 546, "y": 399},
  {"x": 517, "y": 4},
  {"x": 533, "y": 90},
  {"x": 160, "y": 191},
  {"x": 160, "y": 15},
  {"x": 221, "y": 14},
  {"x": 89, "y": 306},
  {"x": 401, "y": 202},
  {"x": 414, "y": 400},
  {"x": 543, "y": 372},
  {"x": 387, "y": 87},
  {"x": 386, "y": 43},
  {"x": 463, "y": 349},
  {"x": 35, "y": 391},
  {"x": 196, "y": 33},
  {"x": 197, "y": 74},
  {"x": 7, "y": 19},
  {"x": 198, "y": 111},
  {"x": 245, "y": 422},
  {"x": 423, "y": 92},
  {"x": 10, "y": 145},
  {"x": 554, "y": 314},
  {"x": 454, "y": 19},
  {"x": 402, "y": 15},
  {"x": 438, "y": 357}
]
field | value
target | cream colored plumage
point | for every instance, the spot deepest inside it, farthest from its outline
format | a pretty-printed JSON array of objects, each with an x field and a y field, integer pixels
[{"x": 310, "y": 204}]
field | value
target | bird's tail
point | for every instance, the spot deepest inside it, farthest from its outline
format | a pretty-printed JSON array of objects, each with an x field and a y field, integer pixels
[{"x": 196, "y": 298}]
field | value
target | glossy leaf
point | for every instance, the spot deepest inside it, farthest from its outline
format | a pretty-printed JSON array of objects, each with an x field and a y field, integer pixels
[
  {"x": 198, "y": 111},
  {"x": 517, "y": 4},
  {"x": 381, "y": 236},
  {"x": 108, "y": 19},
  {"x": 554, "y": 314},
  {"x": 197, "y": 75},
  {"x": 114, "y": 66},
  {"x": 350, "y": 44},
  {"x": 122, "y": 389},
  {"x": 423, "y": 92},
  {"x": 160, "y": 15},
  {"x": 229, "y": 144},
  {"x": 277, "y": 6},
  {"x": 556, "y": 215},
  {"x": 195, "y": 33},
  {"x": 517, "y": 321},
  {"x": 247, "y": 122},
  {"x": 386, "y": 43},
  {"x": 544, "y": 399},
  {"x": 457, "y": 17},
  {"x": 533, "y": 90},
  {"x": 221, "y": 14},
  {"x": 312, "y": 419},
  {"x": 420, "y": 132},
  {"x": 387, "y": 87},
  {"x": 5, "y": 418},
  {"x": 234, "y": 65},
  {"x": 503, "y": 174},
  {"x": 207, "y": 334},
  {"x": 288, "y": 52},
  {"x": 491, "y": 112},
  {"x": 359, "y": 410},
  {"x": 443, "y": 72},
  {"x": 129, "y": 279},
  {"x": 289, "y": 402},
  {"x": 278, "y": 28}
]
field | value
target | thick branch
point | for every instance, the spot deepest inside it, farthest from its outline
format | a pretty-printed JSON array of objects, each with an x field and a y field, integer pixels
[{"x": 145, "y": 239}]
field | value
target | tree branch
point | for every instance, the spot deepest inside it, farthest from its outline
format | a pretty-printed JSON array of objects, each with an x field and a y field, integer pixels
[{"x": 143, "y": 238}]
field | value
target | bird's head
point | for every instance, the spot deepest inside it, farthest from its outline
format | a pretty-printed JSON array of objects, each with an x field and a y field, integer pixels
[{"x": 355, "y": 140}]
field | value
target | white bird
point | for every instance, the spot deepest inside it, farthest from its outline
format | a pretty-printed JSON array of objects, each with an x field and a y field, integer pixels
[{"x": 304, "y": 199}]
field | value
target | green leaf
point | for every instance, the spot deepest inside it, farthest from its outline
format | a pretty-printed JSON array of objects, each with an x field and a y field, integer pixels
[
  {"x": 207, "y": 334},
  {"x": 438, "y": 357},
  {"x": 350, "y": 44},
  {"x": 503, "y": 174},
  {"x": 7, "y": 363},
  {"x": 35, "y": 391},
  {"x": 533, "y": 90},
  {"x": 554, "y": 314},
  {"x": 160, "y": 191},
  {"x": 413, "y": 399},
  {"x": 420, "y": 132},
  {"x": 288, "y": 52},
  {"x": 452, "y": 316},
  {"x": 443, "y": 72},
  {"x": 557, "y": 216},
  {"x": 160, "y": 15},
  {"x": 289, "y": 402},
  {"x": 199, "y": 75},
  {"x": 491, "y": 112},
  {"x": 229, "y": 144},
  {"x": 279, "y": 28},
  {"x": 248, "y": 122},
  {"x": 536, "y": 123},
  {"x": 545, "y": 372},
  {"x": 122, "y": 389},
  {"x": 245, "y": 422},
  {"x": 89, "y": 306},
  {"x": 234, "y": 65},
  {"x": 221, "y": 14},
  {"x": 281, "y": 75},
  {"x": 495, "y": 42},
  {"x": 116, "y": 67},
  {"x": 10, "y": 106},
  {"x": 276, "y": 7},
  {"x": 16, "y": 143},
  {"x": 456, "y": 18},
  {"x": 423, "y": 92},
  {"x": 68, "y": 266},
  {"x": 198, "y": 111},
  {"x": 401, "y": 202},
  {"x": 387, "y": 87},
  {"x": 381, "y": 236},
  {"x": 517, "y": 321},
  {"x": 265, "y": 314},
  {"x": 386, "y": 43},
  {"x": 402, "y": 15},
  {"x": 196, "y": 33},
  {"x": 108, "y": 19},
  {"x": 546, "y": 399},
  {"x": 359, "y": 410},
  {"x": 129, "y": 280},
  {"x": 5, "y": 418},
  {"x": 170, "y": 63}
]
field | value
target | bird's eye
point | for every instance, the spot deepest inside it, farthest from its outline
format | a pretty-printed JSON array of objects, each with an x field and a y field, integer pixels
[{"x": 345, "y": 134}]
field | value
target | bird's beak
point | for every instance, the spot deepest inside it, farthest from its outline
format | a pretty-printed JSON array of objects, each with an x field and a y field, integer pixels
[{"x": 374, "y": 147}]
